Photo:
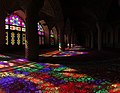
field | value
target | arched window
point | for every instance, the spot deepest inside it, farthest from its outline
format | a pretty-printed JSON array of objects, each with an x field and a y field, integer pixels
[
  {"x": 15, "y": 30},
  {"x": 41, "y": 34},
  {"x": 52, "y": 37}
]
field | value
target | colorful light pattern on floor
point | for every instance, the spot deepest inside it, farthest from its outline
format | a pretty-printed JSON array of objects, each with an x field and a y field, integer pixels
[
  {"x": 35, "y": 77},
  {"x": 49, "y": 54},
  {"x": 10, "y": 63},
  {"x": 69, "y": 53},
  {"x": 76, "y": 48},
  {"x": 63, "y": 53},
  {"x": 3, "y": 56}
]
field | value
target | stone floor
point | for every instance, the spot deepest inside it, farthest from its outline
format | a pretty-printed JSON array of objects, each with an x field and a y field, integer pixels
[{"x": 76, "y": 70}]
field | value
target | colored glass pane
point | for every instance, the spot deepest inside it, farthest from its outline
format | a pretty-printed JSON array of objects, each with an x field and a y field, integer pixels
[
  {"x": 18, "y": 38},
  {"x": 23, "y": 38},
  {"x": 6, "y": 26},
  {"x": 6, "y": 38},
  {"x": 12, "y": 38},
  {"x": 12, "y": 28},
  {"x": 41, "y": 34},
  {"x": 18, "y": 28},
  {"x": 51, "y": 34},
  {"x": 15, "y": 20},
  {"x": 15, "y": 24},
  {"x": 7, "y": 20},
  {"x": 42, "y": 40},
  {"x": 24, "y": 29},
  {"x": 52, "y": 41},
  {"x": 23, "y": 24},
  {"x": 52, "y": 37},
  {"x": 40, "y": 27}
]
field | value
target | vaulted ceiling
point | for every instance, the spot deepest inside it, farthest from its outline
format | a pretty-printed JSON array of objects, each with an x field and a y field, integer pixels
[
  {"x": 84, "y": 13},
  {"x": 49, "y": 11}
]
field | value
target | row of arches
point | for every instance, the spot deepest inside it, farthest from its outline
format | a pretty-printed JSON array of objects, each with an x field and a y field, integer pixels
[
  {"x": 44, "y": 25},
  {"x": 15, "y": 28}
]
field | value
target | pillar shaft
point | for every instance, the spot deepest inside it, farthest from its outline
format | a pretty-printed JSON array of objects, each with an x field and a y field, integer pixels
[
  {"x": 46, "y": 35},
  {"x": 61, "y": 30},
  {"x": 87, "y": 40},
  {"x": 62, "y": 40},
  {"x": 2, "y": 28},
  {"x": 99, "y": 36},
  {"x": 32, "y": 44},
  {"x": 69, "y": 40},
  {"x": 32, "y": 37},
  {"x": 92, "y": 40},
  {"x": 112, "y": 39},
  {"x": 116, "y": 38}
]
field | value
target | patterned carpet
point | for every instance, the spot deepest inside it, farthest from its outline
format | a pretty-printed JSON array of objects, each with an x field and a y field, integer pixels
[
  {"x": 32, "y": 77},
  {"x": 22, "y": 76}
]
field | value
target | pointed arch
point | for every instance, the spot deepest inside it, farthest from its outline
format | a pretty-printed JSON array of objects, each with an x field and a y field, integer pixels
[{"x": 15, "y": 30}]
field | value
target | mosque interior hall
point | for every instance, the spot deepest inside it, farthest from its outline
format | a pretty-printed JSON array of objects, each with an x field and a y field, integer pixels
[{"x": 59, "y": 46}]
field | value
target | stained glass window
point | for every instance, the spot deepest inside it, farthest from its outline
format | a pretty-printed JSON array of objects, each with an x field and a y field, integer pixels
[
  {"x": 18, "y": 39},
  {"x": 12, "y": 38},
  {"x": 7, "y": 21},
  {"x": 15, "y": 30},
  {"x": 52, "y": 38},
  {"x": 23, "y": 27},
  {"x": 41, "y": 34},
  {"x": 43, "y": 40},
  {"x": 23, "y": 38},
  {"x": 7, "y": 38},
  {"x": 40, "y": 40}
]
